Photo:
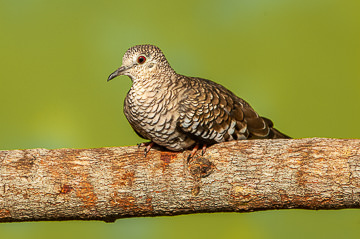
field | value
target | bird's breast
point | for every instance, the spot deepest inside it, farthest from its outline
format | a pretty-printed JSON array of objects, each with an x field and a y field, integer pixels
[{"x": 153, "y": 112}]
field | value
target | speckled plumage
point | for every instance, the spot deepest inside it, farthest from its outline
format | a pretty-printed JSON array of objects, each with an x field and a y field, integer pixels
[{"x": 177, "y": 111}]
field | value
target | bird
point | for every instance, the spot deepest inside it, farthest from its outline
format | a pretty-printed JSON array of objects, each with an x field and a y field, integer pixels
[{"x": 179, "y": 112}]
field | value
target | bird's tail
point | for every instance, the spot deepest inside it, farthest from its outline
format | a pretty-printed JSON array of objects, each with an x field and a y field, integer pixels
[{"x": 274, "y": 133}]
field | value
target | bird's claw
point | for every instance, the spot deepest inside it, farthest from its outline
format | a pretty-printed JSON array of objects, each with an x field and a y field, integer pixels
[
  {"x": 148, "y": 145},
  {"x": 193, "y": 152},
  {"x": 203, "y": 150},
  {"x": 188, "y": 158}
]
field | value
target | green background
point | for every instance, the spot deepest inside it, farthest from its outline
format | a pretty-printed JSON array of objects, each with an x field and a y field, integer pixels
[{"x": 296, "y": 62}]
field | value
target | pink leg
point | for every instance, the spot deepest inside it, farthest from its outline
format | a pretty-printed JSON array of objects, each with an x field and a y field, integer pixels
[
  {"x": 147, "y": 149},
  {"x": 195, "y": 149},
  {"x": 203, "y": 150},
  {"x": 143, "y": 144},
  {"x": 148, "y": 145}
]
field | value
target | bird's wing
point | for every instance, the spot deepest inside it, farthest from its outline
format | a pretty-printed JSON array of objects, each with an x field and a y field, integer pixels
[{"x": 210, "y": 113}]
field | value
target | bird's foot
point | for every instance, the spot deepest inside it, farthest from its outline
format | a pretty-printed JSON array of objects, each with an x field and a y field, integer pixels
[
  {"x": 148, "y": 146},
  {"x": 203, "y": 150},
  {"x": 193, "y": 152}
]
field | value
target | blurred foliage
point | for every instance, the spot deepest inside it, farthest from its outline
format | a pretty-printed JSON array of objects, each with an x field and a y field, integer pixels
[{"x": 296, "y": 62}]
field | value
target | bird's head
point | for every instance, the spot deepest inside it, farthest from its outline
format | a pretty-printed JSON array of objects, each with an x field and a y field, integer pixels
[{"x": 141, "y": 62}]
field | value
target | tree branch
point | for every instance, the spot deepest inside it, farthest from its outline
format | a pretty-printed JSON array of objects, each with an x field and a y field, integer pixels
[{"x": 111, "y": 183}]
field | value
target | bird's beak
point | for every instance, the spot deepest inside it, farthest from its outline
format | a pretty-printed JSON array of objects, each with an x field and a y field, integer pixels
[{"x": 118, "y": 72}]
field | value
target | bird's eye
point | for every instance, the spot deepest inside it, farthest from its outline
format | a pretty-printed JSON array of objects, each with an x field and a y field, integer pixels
[{"x": 141, "y": 59}]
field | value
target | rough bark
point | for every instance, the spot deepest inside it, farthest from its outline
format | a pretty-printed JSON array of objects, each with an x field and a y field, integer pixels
[{"x": 111, "y": 183}]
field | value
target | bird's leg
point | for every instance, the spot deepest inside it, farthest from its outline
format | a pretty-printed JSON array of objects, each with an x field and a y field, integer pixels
[
  {"x": 148, "y": 145},
  {"x": 143, "y": 144},
  {"x": 195, "y": 149},
  {"x": 203, "y": 150},
  {"x": 193, "y": 152}
]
